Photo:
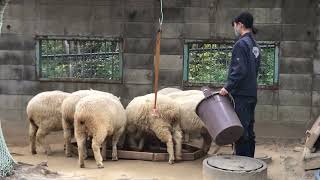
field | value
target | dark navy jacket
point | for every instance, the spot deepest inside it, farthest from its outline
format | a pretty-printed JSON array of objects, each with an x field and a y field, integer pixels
[{"x": 244, "y": 66}]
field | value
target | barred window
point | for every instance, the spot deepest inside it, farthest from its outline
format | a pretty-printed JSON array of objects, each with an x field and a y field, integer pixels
[
  {"x": 208, "y": 63},
  {"x": 79, "y": 59}
]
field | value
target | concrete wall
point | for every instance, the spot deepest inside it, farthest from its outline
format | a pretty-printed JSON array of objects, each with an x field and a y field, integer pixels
[{"x": 294, "y": 23}]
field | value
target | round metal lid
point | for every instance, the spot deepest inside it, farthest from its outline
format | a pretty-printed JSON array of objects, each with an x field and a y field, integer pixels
[{"x": 235, "y": 163}]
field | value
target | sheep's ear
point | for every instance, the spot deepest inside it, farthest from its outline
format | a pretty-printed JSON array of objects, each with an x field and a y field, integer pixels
[{"x": 119, "y": 97}]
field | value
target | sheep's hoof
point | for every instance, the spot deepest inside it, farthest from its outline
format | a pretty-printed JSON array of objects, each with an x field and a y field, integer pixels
[
  {"x": 81, "y": 165},
  {"x": 115, "y": 158},
  {"x": 68, "y": 155},
  {"x": 171, "y": 161},
  {"x": 100, "y": 165}
]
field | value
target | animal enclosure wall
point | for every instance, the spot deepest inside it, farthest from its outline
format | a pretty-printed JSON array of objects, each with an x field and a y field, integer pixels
[{"x": 293, "y": 24}]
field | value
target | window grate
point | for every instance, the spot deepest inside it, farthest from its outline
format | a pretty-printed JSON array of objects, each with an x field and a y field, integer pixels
[
  {"x": 208, "y": 63},
  {"x": 78, "y": 59}
]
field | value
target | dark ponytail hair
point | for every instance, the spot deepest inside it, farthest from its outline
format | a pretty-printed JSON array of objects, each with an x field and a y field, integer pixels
[
  {"x": 254, "y": 30},
  {"x": 247, "y": 20}
]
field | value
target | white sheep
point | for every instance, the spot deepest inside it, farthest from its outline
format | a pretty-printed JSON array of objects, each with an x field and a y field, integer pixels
[
  {"x": 98, "y": 116},
  {"x": 44, "y": 115},
  {"x": 190, "y": 121},
  {"x": 68, "y": 110},
  {"x": 164, "y": 124},
  {"x": 169, "y": 90}
]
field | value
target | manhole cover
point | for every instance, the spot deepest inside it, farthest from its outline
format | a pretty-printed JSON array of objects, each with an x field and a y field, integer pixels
[{"x": 235, "y": 163}]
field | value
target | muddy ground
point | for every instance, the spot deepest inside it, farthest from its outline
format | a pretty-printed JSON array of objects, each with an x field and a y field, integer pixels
[{"x": 286, "y": 163}]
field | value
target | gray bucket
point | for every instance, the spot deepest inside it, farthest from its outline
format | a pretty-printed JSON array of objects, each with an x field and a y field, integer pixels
[{"x": 217, "y": 113}]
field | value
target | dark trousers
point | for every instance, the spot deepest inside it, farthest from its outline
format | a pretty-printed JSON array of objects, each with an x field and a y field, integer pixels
[{"x": 245, "y": 107}]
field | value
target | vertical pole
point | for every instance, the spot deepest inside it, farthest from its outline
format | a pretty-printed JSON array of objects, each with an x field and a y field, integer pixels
[{"x": 156, "y": 68}]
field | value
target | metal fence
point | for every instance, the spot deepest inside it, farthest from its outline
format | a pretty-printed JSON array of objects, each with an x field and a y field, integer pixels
[
  {"x": 80, "y": 59},
  {"x": 207, "y": 63}
]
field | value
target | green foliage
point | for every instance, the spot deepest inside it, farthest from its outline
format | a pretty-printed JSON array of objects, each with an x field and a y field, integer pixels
[
  {"x": 80, "y": 59},
  {"x": 209, "y": 63},
  {"x": 267, "y": 66}
]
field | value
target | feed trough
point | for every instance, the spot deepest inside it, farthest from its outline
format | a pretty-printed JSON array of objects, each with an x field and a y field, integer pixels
[{"x": 189, "y": 153}]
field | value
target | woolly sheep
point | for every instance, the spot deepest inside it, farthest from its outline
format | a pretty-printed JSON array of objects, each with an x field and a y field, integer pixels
[
  {"x": 169, "y": 90},
  {"x": 190, "y": 121},
  {"x": 164, "y": 124},
  {"x": 44, "y": 115},
  {"x": 98, "y": 116},
  {"x": 68, "y": 110}
]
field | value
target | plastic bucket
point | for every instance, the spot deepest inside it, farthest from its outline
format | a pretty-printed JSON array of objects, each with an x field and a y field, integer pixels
[{"x": 217, "y": 113}]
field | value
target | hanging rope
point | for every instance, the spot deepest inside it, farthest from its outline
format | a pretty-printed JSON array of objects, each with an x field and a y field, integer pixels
[
  {"x": 156, "y": 70},
  {"x": 161, "y": 15},
  {"x": 157, "y": 60}
]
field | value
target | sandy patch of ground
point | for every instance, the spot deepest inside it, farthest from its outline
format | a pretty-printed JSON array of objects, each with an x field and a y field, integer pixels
[{"x": 286, "y": 164}]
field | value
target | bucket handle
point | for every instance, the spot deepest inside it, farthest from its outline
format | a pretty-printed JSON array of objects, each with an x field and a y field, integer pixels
[
  {"x": 208, "y": 93},
  {"x": 230, "y": 96}
]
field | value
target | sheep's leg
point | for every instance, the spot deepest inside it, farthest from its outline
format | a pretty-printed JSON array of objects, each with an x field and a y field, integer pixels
[
  {"x": 164, "y": 134},
  {"x": 122, "y": 140},
  {"x": 132, "y": 141},
  {"x": 85, "y": 150},
  {"x": 67, "y": 134},
  {"x": 81, "y": 141},
  {"x": 186, "y": 137},
  {"x": 216, "y": 150},
  {"x": 207, "y": 140},
  {"x": 32, "y": 135},
  {"x": 104, "y": 149},
  {"x": 115, "y": 140},
  {"x": 141, "y": 143},
  {"x": 81, "y": 138},
  {"x": 40, "y": 137},
  {"x": 138, "y": 136},
  {"x": 131, "y": 136},
  {"x": 177, "y": 137},
  {"x": 97, "y": 140}
]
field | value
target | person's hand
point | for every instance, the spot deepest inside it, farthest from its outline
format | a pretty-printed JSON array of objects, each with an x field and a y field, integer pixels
[{"x": 223, "y": 92}]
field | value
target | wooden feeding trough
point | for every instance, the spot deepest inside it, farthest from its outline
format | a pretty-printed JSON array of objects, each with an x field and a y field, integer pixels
[{"x": 189, "y": 153}]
